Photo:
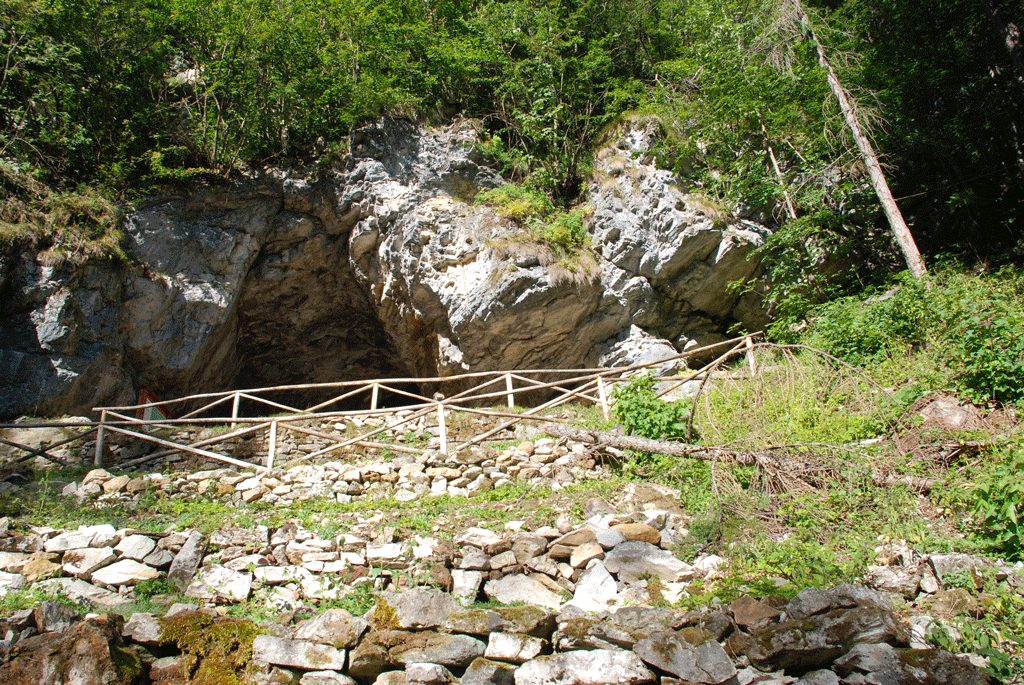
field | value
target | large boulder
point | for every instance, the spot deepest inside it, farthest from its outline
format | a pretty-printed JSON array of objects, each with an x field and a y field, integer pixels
[{"x": 87, "y": 652}]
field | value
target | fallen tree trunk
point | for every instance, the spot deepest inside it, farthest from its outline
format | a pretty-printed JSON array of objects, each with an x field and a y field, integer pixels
[
  {"x": 777, "y": 466},
  {"x": 630, "y": 442}
]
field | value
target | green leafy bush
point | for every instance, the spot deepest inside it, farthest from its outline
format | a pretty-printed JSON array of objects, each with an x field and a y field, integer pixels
[
  {"x": 565, "y": 232},
  {"x": 999, "y": 494},
  {"x": 969, "y": 324},
  {"x": 856, "y": 329},
  {"x": 984, "y": 321},
  {"x": 562, "y": 231},
  {"x": 643, "y": 413}
]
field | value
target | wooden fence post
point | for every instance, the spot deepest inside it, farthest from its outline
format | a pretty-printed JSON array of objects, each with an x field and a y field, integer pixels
[
  {"x": 234, "y": 408},
  {"x": 373, "y": 397},
  {"x": 751, "y": 359},
  {"x": 603, "y": 394},
  {"x": 98, "y": 459},
  {"x": 511, "y": 395},
  {"x": 272, "y": 447},
  {"x": 443, "y": 428}
]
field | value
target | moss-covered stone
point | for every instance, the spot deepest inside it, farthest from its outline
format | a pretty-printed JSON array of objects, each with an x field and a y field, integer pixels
[{"x": 217, "y": 650}]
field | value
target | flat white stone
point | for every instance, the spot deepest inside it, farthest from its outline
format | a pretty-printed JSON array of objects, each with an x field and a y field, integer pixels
[
  {"x": 593, "y": 667},
  {"x": 297, "y": 653},
  {"x": 325, "y": 678},
  {"x": 135, "y": 547},
  {"x": 11, "y": 582},
  {"x": 79, "y": 590},
  {"x": 478, "y": 537},
  {"x": 124, "y": 572},
  {"x": 596, "y": 590},
  {"x": 466, "y": 585},
  {"x": 12, "y": 562},
  {"x": 519, "y": 588},
  {"x": 82, "y": 563},
  {"x": 219, "y": 582},
  {"x": 513, "y": 647}
]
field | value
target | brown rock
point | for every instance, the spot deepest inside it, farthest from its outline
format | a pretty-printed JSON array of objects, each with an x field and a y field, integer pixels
[
  {"x": 748, "y": 611},
  {"x": 187, "y": 561},
  {"x": 40, "y": 568},
  {"x": 639, "y": 531},
  {"x": 135, "y": 485},
  {"x": 116, "y": 484},
  {"x": 86, "y": 653},
  {"x": 167, "y": 668}
]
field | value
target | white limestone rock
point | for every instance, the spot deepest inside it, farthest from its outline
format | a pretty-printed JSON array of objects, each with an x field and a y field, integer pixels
[
  {"x": 590, "y": 667},
  {"x": 124, "y": 572}
]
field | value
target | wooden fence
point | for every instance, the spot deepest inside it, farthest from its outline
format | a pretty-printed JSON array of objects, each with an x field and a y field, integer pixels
[{"x": 486, "y": 389}]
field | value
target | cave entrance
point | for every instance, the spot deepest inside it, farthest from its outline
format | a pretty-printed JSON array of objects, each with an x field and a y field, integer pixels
[{"x": 303, "y": 318}]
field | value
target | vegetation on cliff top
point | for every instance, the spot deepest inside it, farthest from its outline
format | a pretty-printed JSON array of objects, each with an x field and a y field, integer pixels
[{"x": 117, "y": 95}]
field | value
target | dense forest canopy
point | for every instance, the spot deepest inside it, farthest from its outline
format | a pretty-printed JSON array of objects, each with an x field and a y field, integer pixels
[{"x": 117, "y": 94}]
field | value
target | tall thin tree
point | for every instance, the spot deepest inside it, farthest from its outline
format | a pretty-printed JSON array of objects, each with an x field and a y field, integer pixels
[{"x": 790, "y": 22}]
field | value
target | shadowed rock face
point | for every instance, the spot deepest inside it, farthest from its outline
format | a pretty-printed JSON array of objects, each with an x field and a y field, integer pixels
[{"x": 379, "y": 267}]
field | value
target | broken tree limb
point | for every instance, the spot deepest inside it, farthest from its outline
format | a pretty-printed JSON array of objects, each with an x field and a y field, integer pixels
[{"x": 631, "y": 442}]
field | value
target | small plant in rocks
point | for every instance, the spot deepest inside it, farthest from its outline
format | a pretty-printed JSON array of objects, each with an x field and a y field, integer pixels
[{"x": 642, "y": 413}]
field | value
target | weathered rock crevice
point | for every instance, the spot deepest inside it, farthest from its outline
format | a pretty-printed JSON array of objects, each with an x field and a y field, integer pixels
[{"x": 379, "y": 266}]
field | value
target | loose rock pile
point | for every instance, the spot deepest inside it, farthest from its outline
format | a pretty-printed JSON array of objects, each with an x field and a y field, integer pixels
[
  {"x": 543, "y": 462},
  {"x": 587, "y": 595},
  {"x": 845, "y": 635}
]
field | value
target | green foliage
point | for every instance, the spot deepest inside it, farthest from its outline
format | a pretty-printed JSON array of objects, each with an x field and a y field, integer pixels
[
  {"x": 999, "y": 504},
  {"x": 970, "y": 324},
  {"x": 856, "y": 329},
  {"x": 32, "y": 597},
  {"x": 562, "y": 231},
  {"x": 991, "y": 626},
  {"x": 983, "y": 320},
  {"x": 360, "y": 599},
  {"x": 69, "y": 226},
  {"x": 809, "y": 399},
  {"x": 565, "y": 233},
  {"x": 642, "y": 413},
  {"x": 147, "y": 589}
]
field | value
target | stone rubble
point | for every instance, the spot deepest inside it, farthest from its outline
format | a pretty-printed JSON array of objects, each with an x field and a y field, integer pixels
[{"x": 587, "y": 592}]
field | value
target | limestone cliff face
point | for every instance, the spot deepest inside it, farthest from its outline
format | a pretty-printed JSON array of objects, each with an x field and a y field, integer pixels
[{"x": 381, "y": 266}]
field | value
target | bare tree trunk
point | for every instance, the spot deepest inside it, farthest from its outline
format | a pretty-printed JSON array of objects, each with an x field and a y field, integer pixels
[
  {"x": 778, "y": 173},
  {"x": 899, "y": 227},
  {"x": 1009, "y": 32}
]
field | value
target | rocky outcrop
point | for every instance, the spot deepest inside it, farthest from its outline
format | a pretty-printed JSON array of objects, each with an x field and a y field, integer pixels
[{"x": 379, "y": 266}]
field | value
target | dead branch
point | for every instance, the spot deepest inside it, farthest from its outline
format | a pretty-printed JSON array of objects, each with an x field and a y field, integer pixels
[{"x": 630, "y": 442}]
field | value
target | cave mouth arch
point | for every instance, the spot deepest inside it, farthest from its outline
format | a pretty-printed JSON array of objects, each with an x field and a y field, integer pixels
[{"x": 303, "y": 319}]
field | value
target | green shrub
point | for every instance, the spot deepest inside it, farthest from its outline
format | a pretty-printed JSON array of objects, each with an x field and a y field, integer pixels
[
  {"x": 565, "y": 232},
  {"x": 970, "y": 325},
  {"x": 999, "y": 493},
  {"x": 984, "y": 319},
  {"x": 562, "y": 231},
  {"x": 856, "y": 329},
  {"x": 642, "y": 413}
]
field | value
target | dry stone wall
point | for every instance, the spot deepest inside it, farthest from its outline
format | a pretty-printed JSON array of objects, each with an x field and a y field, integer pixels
[{"x": 580, "y": 605}]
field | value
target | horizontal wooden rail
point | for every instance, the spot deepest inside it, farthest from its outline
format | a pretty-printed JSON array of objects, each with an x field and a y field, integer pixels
[{"x": 592, "y": 385}]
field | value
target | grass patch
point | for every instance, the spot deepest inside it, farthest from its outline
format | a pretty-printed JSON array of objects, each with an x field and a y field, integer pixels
[
  {"x": 63, "y": 227},
  {"x": 562, "y": 231}
]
